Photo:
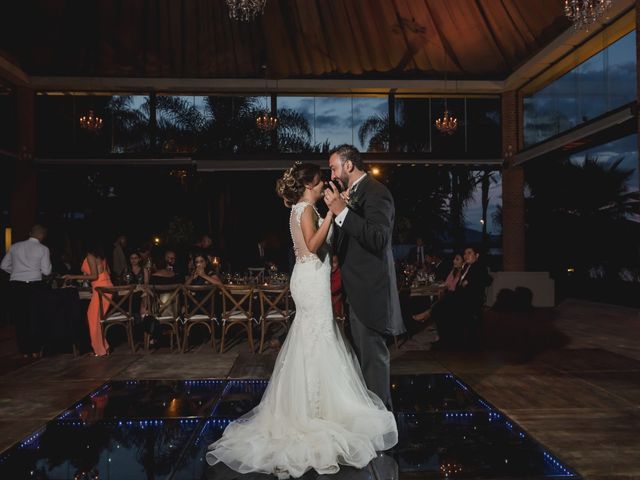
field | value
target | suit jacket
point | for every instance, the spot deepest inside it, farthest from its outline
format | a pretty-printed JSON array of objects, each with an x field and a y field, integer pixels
[
  {"x": 472, "y": 286},
  {"x": 366, "y": 259},
  {"x": 442, "y": 271}
]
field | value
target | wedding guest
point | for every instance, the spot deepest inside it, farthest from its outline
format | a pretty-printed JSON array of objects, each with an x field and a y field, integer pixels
[
  {"x": 119, "y": 256},
  {"x": 96, "y": 270},
  {"x": 170, "y": 260},
  {"x": 139, "y": 274},
  {"x": 27, "y": 262},
  {"x": 145, "y": 257},
  {"x": 450, "y": 285},
  {"x": 454, "y": 275},
  {"x": 437, "y": 266},
  {"x": 163, "y": 274},
  {"x": 469, "y": 298},
  {"x": 203, "y": 272},
  {"x": 203, "y": 243},
  {"x": 418, "y": 254}
]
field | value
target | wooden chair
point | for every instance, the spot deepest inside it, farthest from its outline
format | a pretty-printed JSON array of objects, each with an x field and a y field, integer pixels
[
  {"x": 199, "y": 309},
  {"x": 256, "y": 274},
  {"x": 237, "y": 309},
  {"x": 118, "y": 312},
  {"x": 274, "y": 309},
  {"x": 163, "y": 302}
]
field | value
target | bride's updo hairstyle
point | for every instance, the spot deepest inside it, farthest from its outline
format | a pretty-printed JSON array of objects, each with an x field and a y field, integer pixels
[{"x": 291, "y": 186}]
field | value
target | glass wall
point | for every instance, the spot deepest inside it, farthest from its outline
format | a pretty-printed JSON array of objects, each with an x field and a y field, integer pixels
[
  {"x": 620, "y": 155},
  {"x": 602, "y": 83},
  {"x": 213, "y": 125}
]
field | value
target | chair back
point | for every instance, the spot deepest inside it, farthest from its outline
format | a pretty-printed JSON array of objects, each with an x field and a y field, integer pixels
[
  {"x": 237, "y": 302},
  {"x": 163, "y": 301},
  {"x": 115, "y": 303},
  {"x": 274, "y": 303},
  {"x": 199, "y": 302},
  {"x": 256, "y": 274}
]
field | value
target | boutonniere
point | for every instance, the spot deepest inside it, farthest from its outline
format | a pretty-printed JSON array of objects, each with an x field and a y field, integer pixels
[{"x": 354, "y": 202}]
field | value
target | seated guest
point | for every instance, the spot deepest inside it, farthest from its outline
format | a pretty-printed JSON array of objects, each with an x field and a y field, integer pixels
[
  {"x": 438, "y": 267},
  {"x": 203, "y": 272},
  {"x": 145, "y": 257},
  {"x": 454, "y": 275},
  {"x": 336, "y": 287},
  {"x": 139, "y": 274},
  {"x": 163, "y": 275},
  {"x": 473, "y": 282},
  {"x": 27, "y": 262},
  {"x": 462, "y": 309},
  {"x": 450, "y": 285},
  {"x": 170, "y": 260}
]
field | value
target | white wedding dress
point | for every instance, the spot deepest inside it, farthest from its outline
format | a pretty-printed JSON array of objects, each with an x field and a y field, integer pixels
[{"x": 316, "y": 411}]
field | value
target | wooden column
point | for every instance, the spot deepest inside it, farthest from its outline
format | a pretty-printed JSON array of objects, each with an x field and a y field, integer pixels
[
  {"x": 513, "y": 241},
  {"x": 24, "y": 194}
]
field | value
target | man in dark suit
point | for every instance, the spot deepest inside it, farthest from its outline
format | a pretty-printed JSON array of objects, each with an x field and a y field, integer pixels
[
  {"x": 418, "y": 253},
  {"x": 364, "y": 215},
  {"x": 438, "y": 266}
]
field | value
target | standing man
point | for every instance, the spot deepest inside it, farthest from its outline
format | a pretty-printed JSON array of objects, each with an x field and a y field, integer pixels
[
  {"x": 365, "y": 215},
  {"x": 120, "y": 264},
  {"x": 418, "y": 255},
  {"x": 27, "y": 262}
]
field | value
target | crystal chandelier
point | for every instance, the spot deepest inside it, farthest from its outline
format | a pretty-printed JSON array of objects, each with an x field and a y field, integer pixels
[
  {"x": 91, "y": 122},
  {"x": 245, "y": 10},
  {"x": 584, "y": 13},
  {"x": 447, "y": 124},
  {"x": 266, "y": 122}
]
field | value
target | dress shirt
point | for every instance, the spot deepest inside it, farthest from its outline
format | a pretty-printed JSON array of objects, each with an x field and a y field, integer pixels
[
  {"x": 27, "y": 261},
  {"x": 343, "y": 214}
]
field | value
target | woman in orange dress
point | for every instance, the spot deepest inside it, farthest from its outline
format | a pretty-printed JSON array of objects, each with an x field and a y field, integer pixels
[{"x": 96, "y": 270}]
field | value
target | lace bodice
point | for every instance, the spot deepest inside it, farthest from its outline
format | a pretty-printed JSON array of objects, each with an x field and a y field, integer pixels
[{"x": 299, "y": 245}]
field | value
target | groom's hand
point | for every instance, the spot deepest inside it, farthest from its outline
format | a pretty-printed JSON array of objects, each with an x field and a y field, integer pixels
[{"x": 333, "y": 200}]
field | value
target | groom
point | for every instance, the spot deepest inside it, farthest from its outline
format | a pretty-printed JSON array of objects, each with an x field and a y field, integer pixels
[{"x": 365, "y": 215}]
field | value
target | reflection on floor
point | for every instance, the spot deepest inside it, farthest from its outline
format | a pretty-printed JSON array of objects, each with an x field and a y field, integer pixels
[{"x": 157, "y": 429}]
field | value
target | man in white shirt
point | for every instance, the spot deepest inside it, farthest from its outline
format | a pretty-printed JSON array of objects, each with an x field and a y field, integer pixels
[{"x": 27, "y": 262}]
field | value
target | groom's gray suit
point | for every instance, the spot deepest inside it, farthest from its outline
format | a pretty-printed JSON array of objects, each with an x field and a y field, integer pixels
[{"x": 369, "y": 280}]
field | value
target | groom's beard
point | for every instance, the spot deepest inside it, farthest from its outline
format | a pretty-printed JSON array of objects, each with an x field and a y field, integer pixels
[{"x": 344, "y": 179}]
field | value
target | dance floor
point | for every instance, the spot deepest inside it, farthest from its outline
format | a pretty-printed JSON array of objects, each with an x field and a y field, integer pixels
[{"x": 159, "y": 429}]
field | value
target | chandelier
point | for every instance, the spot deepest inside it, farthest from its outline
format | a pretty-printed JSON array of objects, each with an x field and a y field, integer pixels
[
  {"x": 266, "y": 122},
  {"x": 447, "y": 124},
  {"x": 91, "y": 122},
  {"x": 584, "y": 13},
  {"x": 245, "y": 10}
]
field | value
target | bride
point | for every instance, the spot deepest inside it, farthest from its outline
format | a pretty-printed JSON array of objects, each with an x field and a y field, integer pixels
[{"x": 316, "y": 411}]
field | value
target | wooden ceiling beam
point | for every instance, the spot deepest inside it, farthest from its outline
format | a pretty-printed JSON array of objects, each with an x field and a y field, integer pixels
[{"x": 11, "y": 73}]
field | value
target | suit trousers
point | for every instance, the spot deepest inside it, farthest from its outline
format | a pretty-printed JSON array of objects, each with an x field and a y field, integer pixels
[
  {"x": 23, "y": 313},
  {"x": 373, "y": 354}
]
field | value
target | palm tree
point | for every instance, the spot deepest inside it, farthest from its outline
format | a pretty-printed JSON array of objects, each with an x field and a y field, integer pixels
[
  {"x": 576, "y": 212},
  {"x": 130, "y": 124},
  {"x": 486, "y": 178}
]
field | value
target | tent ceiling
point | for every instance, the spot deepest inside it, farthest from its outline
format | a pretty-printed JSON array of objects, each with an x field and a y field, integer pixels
[{"x": 322, "y": 39}]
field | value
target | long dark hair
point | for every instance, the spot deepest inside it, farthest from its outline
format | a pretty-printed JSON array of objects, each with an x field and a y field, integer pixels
[{"x": 291, "y": 185}]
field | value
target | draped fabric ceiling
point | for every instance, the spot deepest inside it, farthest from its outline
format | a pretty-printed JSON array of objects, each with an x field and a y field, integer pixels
[{"x": 397, "y": 39}]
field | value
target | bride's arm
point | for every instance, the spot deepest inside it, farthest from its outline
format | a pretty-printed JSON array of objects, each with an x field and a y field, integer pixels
[{"x": 314, "y": 237}]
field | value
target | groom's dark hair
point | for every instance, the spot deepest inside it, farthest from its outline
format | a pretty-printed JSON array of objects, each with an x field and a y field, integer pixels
[{"x": 349, "y": 152}]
